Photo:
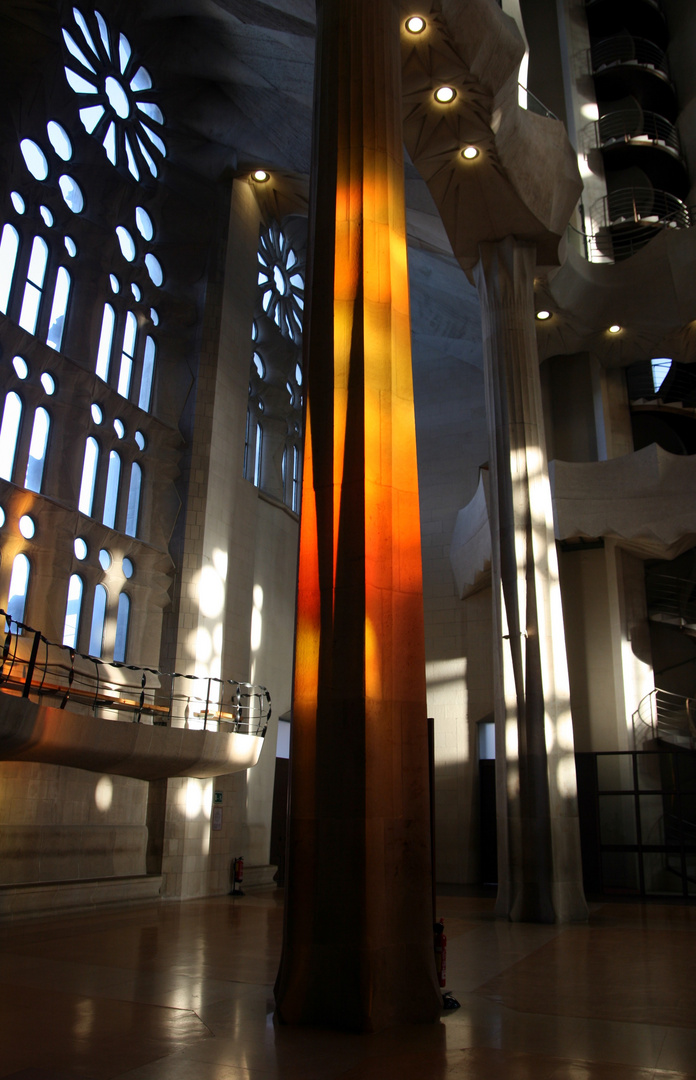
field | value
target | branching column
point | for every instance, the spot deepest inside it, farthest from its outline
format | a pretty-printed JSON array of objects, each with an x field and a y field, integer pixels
[
  {"x": 540, "y": 871},
  {"x": 358, "y": 944}
]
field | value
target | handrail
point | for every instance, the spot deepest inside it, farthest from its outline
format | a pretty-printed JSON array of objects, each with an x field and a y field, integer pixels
[
  {"x": 534, "y": 105},
  {"x": 623, "y": 49},
  {"x": 174, "y": 699},
  {"x": 626, "y": 220},
  {"x": 637, "y": 126},
  {"x": 644, "y": 206},
  {"x": 655, "y": 3},
  {"x": 671, "y": 599},
  {"x": 668, "y": 716}
]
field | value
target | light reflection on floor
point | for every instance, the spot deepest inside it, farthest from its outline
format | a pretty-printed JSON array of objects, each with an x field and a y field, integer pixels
[{"x": 171, "y": 991}]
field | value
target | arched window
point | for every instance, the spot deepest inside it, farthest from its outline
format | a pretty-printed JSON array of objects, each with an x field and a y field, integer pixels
[
  {"x": 96, "y": 633},
  {"x": 19, "y": 584},
  {"x": 89, "y": 476},
  {"x": 105, "y": 340},
  {"x": 126, "y": 369},
  {"x": 9, "y": 245},
  {"x": 257, "y": 461},
  {"x": 9, "y": 432},
  {"x": 37, "y": 450},
  {"x": 122, "y": 628},
  {"x": 247, "y": 447},
  {"x": 133, "y": 500},
  {"x": 111, "y": 495},
  {"x": 73, "y": 607},
  {"x": 295, "y": 503},
  {"x": 147, "y": 375},
  {"x": 34, "y": 287},
  {"x": 56, "y": 322}
]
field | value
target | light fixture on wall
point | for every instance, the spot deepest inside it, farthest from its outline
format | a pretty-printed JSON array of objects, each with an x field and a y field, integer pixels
[
  {"x": 615, "y": 328},
  {"x": 470, "y": 152},
  {"x": 543, "y": 315},
  {"x": 445, "y": 94},
  {"x": 415, "y": 24},
  {"x": 261, "y": 176}
]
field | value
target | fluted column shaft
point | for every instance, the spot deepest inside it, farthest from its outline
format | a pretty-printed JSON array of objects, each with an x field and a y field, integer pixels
[
  {"x": 358, "y": 948},
  {"x": 540, "y": 869}
]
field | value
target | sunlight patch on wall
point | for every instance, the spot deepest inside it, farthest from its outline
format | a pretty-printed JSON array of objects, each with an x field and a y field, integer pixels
[{"x": 104, "y": 793}]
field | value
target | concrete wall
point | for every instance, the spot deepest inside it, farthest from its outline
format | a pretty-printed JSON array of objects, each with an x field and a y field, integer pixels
[{"x": 62, "y": 824}]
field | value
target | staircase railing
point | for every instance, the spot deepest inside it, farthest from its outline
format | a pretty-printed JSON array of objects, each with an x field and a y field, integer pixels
[{"x": 663, "y": 715}]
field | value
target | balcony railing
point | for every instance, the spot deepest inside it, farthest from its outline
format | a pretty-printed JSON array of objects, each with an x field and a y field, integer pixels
[
  {"x": 638, "y": 128},
  {"x": 35, "y": 668},
  {"x": 624, "y": 49}
]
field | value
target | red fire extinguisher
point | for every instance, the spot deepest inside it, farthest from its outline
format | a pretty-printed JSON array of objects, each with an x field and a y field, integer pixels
[
  {"x": 441, "y": 952},
  {"x": 237, "y": 876}
]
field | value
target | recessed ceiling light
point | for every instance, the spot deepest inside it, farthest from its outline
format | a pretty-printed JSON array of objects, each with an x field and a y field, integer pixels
[
  {"x": 543, "y": 315},
  {"x": 415, "y": 25},
  {"x": 615, "y": 329},
  {"x": 470, "y": 152},
  {"x": 445, "y": 94},
  {"x": 261, "y": 176}
]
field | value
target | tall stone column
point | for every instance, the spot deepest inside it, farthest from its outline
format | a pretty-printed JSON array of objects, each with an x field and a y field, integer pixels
[
  {"x": 540, "y": 869},
  {"x": 358, "y": 943}
]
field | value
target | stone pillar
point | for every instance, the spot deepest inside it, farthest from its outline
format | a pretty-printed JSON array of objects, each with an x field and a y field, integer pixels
[
  {"x": 540, "y": 870},
  {"x": 358, "y": 942}
]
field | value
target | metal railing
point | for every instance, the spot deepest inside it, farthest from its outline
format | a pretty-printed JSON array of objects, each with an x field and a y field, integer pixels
[
  {"x": 33, "y": 667},
  {"x": 637, "y": 814},
  {"x": 638, "y": 128},
  {"x": 644, "y": 206},
  {"x": 626, "y": 220},
  {"x": 657, "y": 4},
  {"x": 671, "y": 600},
  {"x": 534, "y": 105},
  {"x": 663, "y": 715},
  {"x": 625, "y": 49}
]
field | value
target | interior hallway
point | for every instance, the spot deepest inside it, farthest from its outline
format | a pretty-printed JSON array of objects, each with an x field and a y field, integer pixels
[{"x": 183, "y": 991}]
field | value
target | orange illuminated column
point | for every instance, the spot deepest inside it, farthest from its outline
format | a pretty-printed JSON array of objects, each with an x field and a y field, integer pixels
[
  {"x": 539, "y": 861},
  {"x": 358, "y": 942}
]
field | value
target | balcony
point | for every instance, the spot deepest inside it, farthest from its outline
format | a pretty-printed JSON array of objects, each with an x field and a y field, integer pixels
[{"x": 58, "y": 707}]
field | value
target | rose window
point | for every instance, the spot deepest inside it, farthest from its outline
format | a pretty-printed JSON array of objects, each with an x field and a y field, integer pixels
[
  {"x": 282, "y": 282},
  {"x": 115, "y": 94}
]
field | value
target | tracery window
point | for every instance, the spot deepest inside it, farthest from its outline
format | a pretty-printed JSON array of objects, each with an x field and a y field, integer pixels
[
  {"x": 117, "y": 101},
  {"x": 96, "y": 633},
  {"x": 9, "y": 433},
  {"x": 113, "y": 477},
  {"x": 122, "y": 619},
  {"x": 37, "y": 450},
  {"x": 275, "y": 397},
  {"x": 73, "y": 608},
  {"x": 19, "y": 587},
  {"x": 133, "y": 508},
  {"x": 281, "y": 277}
]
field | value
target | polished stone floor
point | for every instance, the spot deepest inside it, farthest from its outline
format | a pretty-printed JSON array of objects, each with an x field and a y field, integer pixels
[{"x": 168, "y": 991}]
